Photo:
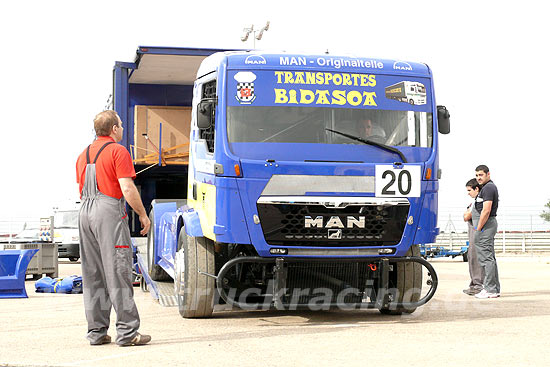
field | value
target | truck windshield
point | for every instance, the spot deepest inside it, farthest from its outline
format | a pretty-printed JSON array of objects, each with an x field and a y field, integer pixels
[
  {"x": 66, "y": 219},
  {"x": 277, "y": 124}
]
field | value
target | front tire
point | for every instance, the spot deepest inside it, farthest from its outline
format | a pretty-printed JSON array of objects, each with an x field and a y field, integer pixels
[
  {"x": 194, "y": 291},
  {"x": 407, "y": 282}
]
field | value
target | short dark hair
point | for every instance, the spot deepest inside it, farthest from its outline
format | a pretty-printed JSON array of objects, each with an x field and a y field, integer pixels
[
  {"x": 104, "y": 122},
  {"x": 483, "y": 168},
  {"x": 473, "y": 184}
]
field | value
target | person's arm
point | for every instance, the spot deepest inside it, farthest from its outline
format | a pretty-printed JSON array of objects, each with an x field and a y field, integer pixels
[
  {"x": 468, "y": 213},
  {"x": 485, "y": 212},
  {"x": 131, "y": 194}
]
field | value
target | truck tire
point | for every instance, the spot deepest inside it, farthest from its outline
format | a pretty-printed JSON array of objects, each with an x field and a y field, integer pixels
[
  {"x": 156, "y": 272},
  {"x": 465, "y": 257},
  {"x": 194, "y": 291},
  {"x": 407, "y": 282}
]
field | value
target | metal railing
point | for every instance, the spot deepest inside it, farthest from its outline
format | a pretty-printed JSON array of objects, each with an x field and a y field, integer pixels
[
  {"x": 10, "y": 227},
  {"x": 505, "y": 242},
  {"x": 520, "y": 230}
]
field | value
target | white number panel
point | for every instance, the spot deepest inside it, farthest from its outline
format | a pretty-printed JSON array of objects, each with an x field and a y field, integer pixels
[{"x": 397, "y": 182}]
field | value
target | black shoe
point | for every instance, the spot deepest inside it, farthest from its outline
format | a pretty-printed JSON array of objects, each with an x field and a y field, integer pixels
[
  {"x": 137, "y": 340},
  {"x": 104, "y": 340},
  {"x": 470, "y": 291}
]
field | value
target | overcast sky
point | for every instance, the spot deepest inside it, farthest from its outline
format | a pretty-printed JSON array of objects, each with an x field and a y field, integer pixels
[{"x": 488, "y": 59}]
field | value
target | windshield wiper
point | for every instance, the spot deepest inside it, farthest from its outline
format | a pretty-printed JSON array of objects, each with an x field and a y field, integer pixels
[{"x": 369, "y": 142}]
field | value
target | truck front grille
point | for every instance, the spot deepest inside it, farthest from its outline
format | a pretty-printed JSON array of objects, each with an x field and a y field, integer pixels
[
  {"x": 338, "y": 282},
  {"x": 295, "y": 224}
]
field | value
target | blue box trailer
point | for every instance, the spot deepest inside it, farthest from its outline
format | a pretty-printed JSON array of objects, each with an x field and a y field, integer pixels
[
  {"x": 159, "y": 76},
  {"x": 306, "y": 186}
]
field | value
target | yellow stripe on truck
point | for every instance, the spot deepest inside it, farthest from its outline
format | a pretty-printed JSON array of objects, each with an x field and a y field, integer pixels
[{"x": 205, "y": 206}]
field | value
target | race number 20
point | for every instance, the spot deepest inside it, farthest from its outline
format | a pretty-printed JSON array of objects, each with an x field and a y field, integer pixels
[{"x": 397, "y": 182}]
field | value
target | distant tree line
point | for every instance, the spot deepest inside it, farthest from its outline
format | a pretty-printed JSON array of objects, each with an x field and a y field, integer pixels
[{"x": 546, "y": 213}]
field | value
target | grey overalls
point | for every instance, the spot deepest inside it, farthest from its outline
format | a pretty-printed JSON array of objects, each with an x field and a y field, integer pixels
[
  {"x": 485, "y": 249},
  {"x": 106, "y": 255},
  {"x": 477, "y": 274}
]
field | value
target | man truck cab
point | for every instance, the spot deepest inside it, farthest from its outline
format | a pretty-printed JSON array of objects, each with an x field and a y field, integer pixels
[{"x": 287, "y": 202}]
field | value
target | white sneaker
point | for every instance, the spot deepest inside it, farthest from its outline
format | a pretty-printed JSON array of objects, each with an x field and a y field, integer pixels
[{"x": 484, "y": 294}]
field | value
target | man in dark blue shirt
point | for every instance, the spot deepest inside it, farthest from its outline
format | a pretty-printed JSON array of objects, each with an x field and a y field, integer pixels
[{"x": 486, "y": 205}]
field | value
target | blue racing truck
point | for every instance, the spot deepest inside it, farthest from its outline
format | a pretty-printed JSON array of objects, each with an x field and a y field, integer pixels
[{"x": 301, "y": 182}]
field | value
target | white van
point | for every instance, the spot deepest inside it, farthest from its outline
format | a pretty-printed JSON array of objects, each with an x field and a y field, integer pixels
[{"x": 66, "y": 231}]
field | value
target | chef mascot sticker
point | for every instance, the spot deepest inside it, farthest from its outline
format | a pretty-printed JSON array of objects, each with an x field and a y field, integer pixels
[{"x": 245, "y": 87}]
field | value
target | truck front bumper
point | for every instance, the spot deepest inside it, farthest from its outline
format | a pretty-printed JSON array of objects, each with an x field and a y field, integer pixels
[{"x": 286, "y": 290}]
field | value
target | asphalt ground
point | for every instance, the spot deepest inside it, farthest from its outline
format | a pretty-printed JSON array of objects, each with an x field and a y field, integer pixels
[{"x": 451, "y": 330}]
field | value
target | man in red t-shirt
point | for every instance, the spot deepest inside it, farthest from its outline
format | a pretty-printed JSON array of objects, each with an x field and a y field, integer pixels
[{"x": 105, "y": 174}]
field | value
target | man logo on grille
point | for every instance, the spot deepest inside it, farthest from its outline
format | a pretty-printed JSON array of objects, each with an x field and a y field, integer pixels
[
  {"x": 245, "y": 87},
  {"x": 334, "y": 222},
  {"x": 334, "y": 234}
]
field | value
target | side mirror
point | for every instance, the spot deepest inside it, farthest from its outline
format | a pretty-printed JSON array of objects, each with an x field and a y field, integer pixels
[
  {"x": 205, "y": 113},
  {"x": 443, "y": 120}
]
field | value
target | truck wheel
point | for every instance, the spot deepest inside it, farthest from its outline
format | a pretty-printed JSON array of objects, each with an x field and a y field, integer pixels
[
  {"x": 73, "y": 259},
  {"x": 465, "y": 257},
  {"x": 155, "y": 271},
  {"x": 407, "y": 282},
  {"x": 194, "y": 291}
]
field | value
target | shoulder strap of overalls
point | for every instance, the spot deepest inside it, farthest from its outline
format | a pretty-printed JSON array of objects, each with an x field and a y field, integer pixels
[{"x": 98, "y": 152}]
